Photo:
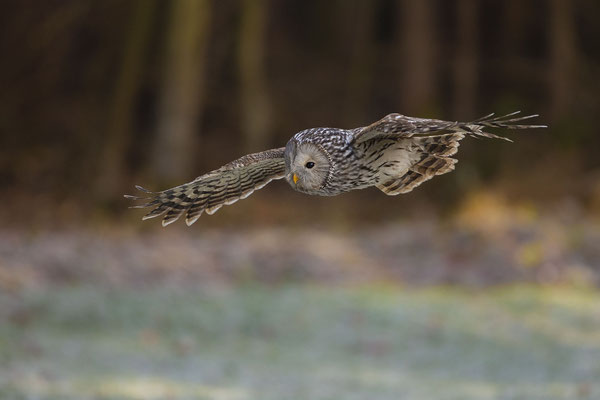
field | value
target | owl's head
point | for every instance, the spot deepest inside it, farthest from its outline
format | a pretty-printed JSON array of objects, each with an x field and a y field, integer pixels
[{"x": 307, "y": 166}]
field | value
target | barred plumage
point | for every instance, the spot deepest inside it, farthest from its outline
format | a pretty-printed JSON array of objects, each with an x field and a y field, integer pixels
[
  {"x": 224, "y": 186},
  {"x": 395, "y": 154}
]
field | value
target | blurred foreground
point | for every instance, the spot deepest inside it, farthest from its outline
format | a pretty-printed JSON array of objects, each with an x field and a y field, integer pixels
[
  {"x": 300, "y": 342},
  {"x": 101, "y": 312},
  {"x": 487, "y": 241}
]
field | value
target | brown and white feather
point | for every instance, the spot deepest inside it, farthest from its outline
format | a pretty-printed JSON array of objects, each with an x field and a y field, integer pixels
[{"x": 208, "y": 193}]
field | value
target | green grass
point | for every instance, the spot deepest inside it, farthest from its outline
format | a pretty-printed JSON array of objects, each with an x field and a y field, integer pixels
[{"x": 300, "y": 342}]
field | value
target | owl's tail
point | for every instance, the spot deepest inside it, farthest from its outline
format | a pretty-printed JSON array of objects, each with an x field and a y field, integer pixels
[{"x": 435, "y": 159}]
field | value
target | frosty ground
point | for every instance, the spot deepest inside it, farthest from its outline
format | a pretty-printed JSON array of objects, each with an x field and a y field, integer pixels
[
  {"x": 304, "y": 341},
  {"x": 506, "y": 310}
]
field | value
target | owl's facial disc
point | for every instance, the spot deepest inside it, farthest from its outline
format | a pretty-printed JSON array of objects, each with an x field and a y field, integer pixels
[{"x": 309, "y": 167}]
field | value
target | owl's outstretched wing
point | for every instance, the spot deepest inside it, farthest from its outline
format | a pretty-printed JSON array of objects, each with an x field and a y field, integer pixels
[
  {"x": 209, "y": 192},
  {"x": 398, "y": 125}
]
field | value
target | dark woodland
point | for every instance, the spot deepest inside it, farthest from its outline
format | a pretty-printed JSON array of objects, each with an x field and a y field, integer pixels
[{"x": 101, "y": 95}]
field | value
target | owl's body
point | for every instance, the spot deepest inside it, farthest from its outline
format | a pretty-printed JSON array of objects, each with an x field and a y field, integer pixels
[{"x": 394, "y": 154}]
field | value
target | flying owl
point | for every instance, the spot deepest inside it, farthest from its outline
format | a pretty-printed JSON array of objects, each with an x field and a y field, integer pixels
[{"x": 395, "y": 154}]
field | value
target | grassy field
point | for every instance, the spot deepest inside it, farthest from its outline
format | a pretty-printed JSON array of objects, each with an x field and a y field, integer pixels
[{"x": 300, "y": 342}]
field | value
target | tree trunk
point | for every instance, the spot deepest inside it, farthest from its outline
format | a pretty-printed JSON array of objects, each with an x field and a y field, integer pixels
[
  {"x": 514, "y": 17},
  {"x": 182, "y": 89},
  {"x": 118, "y": 130},
  {"x": 418, "y": 61},
  {"x": 564, "y": 57},
  {"x": 256, "y": 107},
  {"x": 357, "y": 18},
  {"x": 465, "y": 65}
]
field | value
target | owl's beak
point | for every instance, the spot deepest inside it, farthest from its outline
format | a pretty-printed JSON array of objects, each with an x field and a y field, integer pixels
[{"x": 295, "y": 178}]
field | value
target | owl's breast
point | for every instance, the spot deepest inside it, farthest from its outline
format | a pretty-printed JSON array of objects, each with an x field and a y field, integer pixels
[{"x": 348, "y": 172}]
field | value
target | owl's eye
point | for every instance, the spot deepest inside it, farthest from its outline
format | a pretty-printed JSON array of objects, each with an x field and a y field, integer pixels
[{"x": 309, "y": 164}]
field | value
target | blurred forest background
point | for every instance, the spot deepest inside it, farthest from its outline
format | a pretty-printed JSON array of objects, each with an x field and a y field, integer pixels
[{"x": 100, "y": 95}]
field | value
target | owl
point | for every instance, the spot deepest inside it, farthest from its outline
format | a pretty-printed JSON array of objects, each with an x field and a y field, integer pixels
[{"x": 395, "y": 154}]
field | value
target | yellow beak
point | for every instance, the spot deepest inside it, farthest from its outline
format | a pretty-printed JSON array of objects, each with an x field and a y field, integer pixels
[{"x": 295, "y": 178}]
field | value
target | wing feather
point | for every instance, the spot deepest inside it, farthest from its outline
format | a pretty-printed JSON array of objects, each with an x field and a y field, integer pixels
[
  {"x": 398, "y": 125},
  {"x": 209, "y": 192}
]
